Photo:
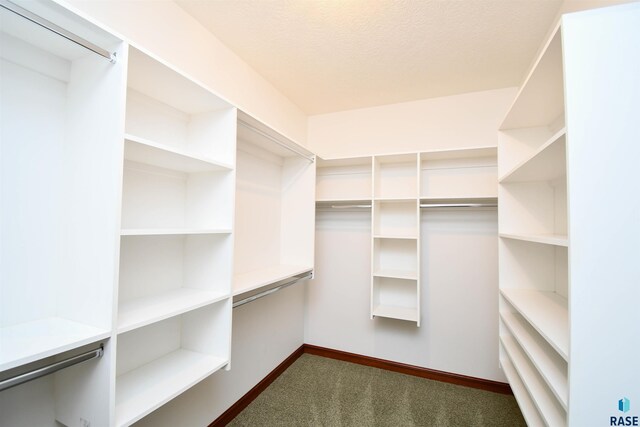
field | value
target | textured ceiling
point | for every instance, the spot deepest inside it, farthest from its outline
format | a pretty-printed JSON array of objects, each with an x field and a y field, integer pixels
[{"x": 335, "y": 55}]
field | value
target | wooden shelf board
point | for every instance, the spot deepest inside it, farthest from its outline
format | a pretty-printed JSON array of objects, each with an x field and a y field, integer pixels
[
  {"x": 548, "y": 163},
  {"x": 266, "y": 276},
  {"x": 170, "y": 231},
  {"x": 396, "y": 199},
  {"x": 395, "y": 237},
  {"x": 140, "y": 312},
  {"x": 396, "y": 274},
  {"x": 547, "y": 312},
  {"x": 543, "y": 399},
  {"x": 30, "y": 341},
  {"x": 548, "y": 239},
  {"x": 142, "y": 150},
  {"x": 529, "y": 410},
  {"x": 393, "y": 312},
  {"x": 549, "y": 364},
  {"x": 143, "y": 390}
]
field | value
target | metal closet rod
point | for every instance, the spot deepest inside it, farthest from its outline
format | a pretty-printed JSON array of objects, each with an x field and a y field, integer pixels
[
  {"x": 272, "y": 139},
  {"x": 272, "y": 290},
  {"x": 458, "y": 205},
  {"x": 12, "y": 7},
  {"x": 50, "y": 369}
]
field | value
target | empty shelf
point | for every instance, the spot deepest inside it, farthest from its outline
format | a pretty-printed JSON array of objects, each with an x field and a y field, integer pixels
[
  {"x": 546, "y": 312},
  {"x": 30, "y": 341},
  {"x": 396, "y": 274},
  {"x": 402, "y": 313},
  {"x": 144, "y": 311},
  {"x": 266, "y": 276},
  {"x": 142, "y": 390},
  {"x": 547, "y": 404},
  {"x": 548, "y": 239},
  {"x": 550, "y": 365},
  {"x": 546, "y": 164},
  {"x": 170, "y": 231},
  {"x": 145, "y": 151}
]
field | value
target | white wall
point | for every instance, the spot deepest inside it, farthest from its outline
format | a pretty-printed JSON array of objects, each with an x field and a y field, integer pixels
[
  {"x": 165, "y": 30},
  {"x": 460, "y": 121}
]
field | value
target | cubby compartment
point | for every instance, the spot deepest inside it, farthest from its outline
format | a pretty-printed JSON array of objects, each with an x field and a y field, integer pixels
[
  {"x": 59, "y": 179},
  {"x": 395, "y": 258},
  {"x": 344, "y": 179},
  {"x": 159, "y": 200},
  {"x": 160, "y": 361},
  {"x": 165, "y": 275},
  {"x": 275, "y": 207},
  {"x": 395, "y": 298},
  {"x": 395, "y": 219},
  {"x": 168, "y": 112},
  {"x": 396, "y": 176},
  {"x": 459, "y": 174}
]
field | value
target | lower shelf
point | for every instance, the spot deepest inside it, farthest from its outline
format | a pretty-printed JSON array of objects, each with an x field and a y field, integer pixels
[
  {"x": 401, "y": 313},
  {"x": 265, "y": 276},
  {"x": 27, "y": 342},
  {"x": 143, "y": 311},
  {"x": 528, "y": 409},
  {"x": 141, "y": 391}
]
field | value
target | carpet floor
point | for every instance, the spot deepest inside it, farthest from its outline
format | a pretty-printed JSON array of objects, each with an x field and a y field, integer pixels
[{"x": 316, "y": 391}]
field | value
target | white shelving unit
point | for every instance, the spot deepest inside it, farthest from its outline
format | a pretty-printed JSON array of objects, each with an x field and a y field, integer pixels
[
  {"x": 275, "y": 208},
  {"x": 565, "y": 161},
  {"x": 344, "y": 180},
  {"x": 60, "y": 154}
]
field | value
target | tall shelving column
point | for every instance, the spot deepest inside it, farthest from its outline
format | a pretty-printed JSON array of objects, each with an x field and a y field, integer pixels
[
  {"x": 395, "y": 266},
  {"x": 174, "y": 299},
  {"x": 533, "y": 247}
]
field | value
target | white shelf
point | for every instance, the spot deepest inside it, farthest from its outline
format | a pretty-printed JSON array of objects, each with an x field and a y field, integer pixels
[
  {"x": 142, "y": 390},
  {"x": 546, "y": 403},
  {"x": 27, "y": 342},
  {"x": 401, "y": 313},
  {"x": 528, "y": 409},
  {"x": 142, "y": 150},
  {"x": 546, "y": 312},
  {"x": 551, "y": 367},
  {"x": 394, "y": 237},
  {"x": 396, "y": 274},
  {"x": 170, "y": 231},
  {"x": 396, "y": 199},
  {"x": 548, "y": 239},
  {"x": 545, "y": 164},
  {"x": 144, "y": 311},
  {"x": 263, "y": 277},
  {"x": 337, "y": 200}
]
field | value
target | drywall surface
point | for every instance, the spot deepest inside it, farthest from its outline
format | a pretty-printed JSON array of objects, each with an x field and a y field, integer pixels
[
  {"x": 265, "y": 332},
  {"x": 167, "y": 31},
  {"x": 460, "y": 121},
  {"x": 459, "y": 293}
]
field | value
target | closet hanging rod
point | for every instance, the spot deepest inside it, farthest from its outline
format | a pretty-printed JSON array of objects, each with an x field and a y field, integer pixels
[
  {"x": 50, "y": 369},
  {"x": 275, "y": 140},
  {"x": 244, "y": 301},
  {"x": 12, "y": 7},
  {"x": 458, "y": 205}
]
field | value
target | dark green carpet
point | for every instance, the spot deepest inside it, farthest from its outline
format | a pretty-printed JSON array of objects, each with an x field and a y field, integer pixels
[{"x": 316, "y": 391}]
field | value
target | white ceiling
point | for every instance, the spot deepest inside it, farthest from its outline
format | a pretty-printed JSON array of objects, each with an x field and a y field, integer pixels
[{"x": 333, "y": 55}]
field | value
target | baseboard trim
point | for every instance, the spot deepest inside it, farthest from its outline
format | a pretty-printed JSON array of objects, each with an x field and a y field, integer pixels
[
  {"x": 416, "y": 371},
  {"x": 250, "y": 396}
]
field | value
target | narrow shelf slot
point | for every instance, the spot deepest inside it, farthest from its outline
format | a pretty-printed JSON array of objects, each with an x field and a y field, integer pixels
[
  {"x": 548, "y": 239},
  {"x": 142, "y": 150},
  {"x": 143, "y": 390},
  {"x": 529, "y": 410},
  {"x": 30, "y": 341},
  {"x": 549, "y": 364},
  {"x": 545, "y": 401},
  {"x": 143, "y": 311},
  {"x": 548, "y": 163},
  {"x": 546, "y": 312}
]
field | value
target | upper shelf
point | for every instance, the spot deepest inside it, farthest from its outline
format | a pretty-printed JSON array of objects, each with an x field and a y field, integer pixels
[
  {"x": 541, "y": 98},
  {"x": 253, "y": 280},
  {"x": 145, "y": 151},
  {"x": 545, "y": 164}
]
